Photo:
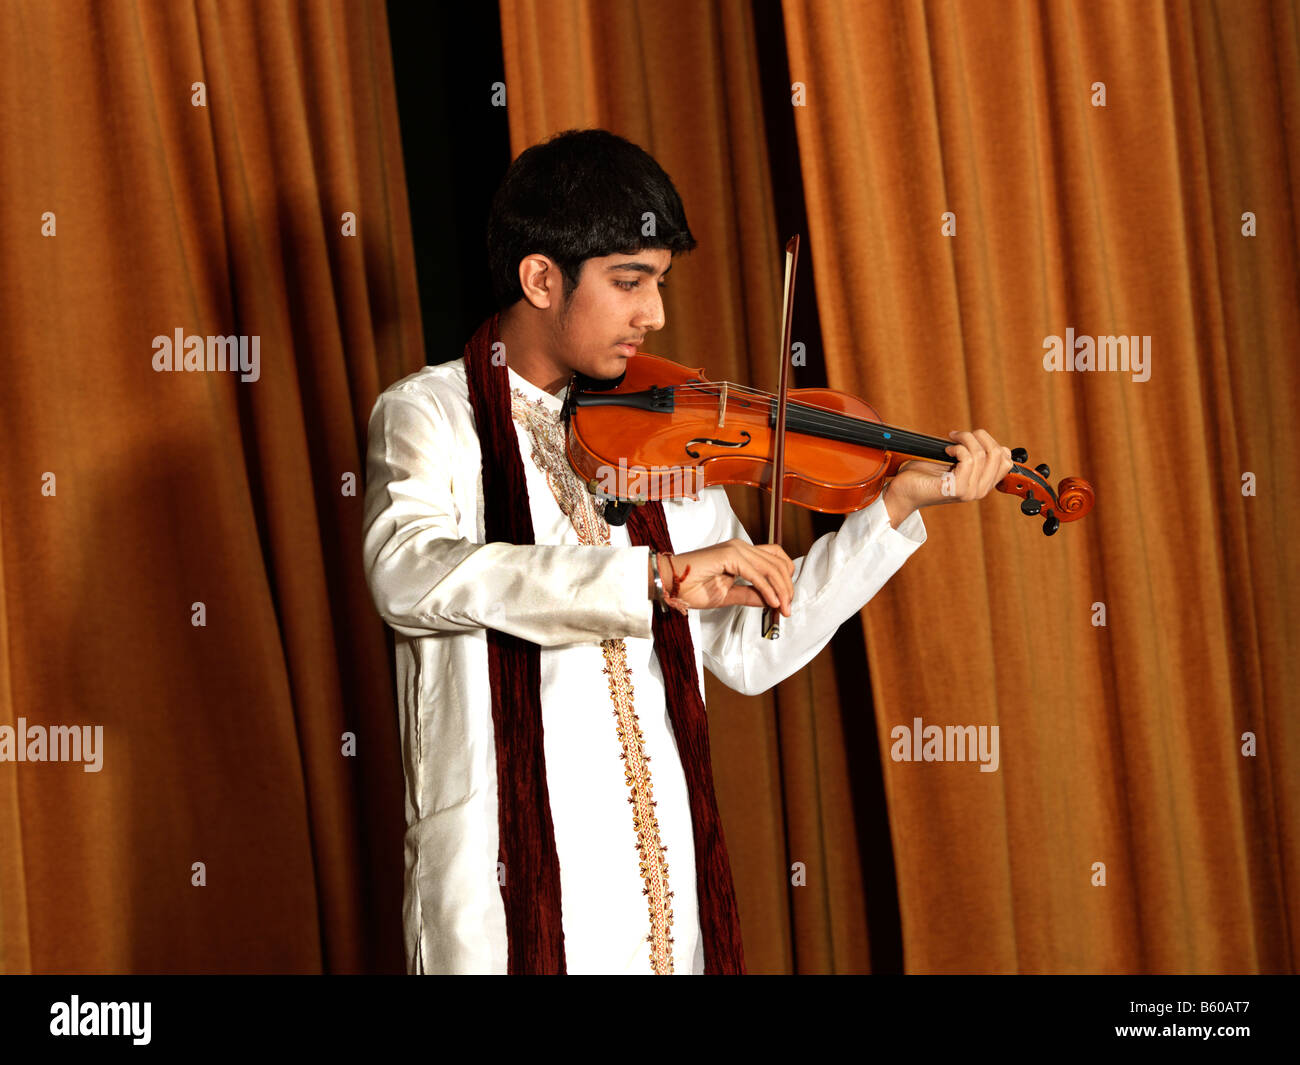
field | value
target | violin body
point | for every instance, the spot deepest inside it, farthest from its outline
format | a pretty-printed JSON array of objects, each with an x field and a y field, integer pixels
[
  {"x": 722, "y": 437},
  {"x": 665, "y": 431}
]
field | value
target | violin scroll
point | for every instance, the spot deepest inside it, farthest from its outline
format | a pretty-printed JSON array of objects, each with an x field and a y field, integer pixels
[{"x": 1071, "y": 500}]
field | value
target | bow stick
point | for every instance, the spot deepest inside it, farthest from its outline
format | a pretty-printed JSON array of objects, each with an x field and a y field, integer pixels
[{"x": 772, "y": 615}]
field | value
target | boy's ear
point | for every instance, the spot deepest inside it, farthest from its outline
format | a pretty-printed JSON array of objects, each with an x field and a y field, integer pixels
[{"x": 540, "y": 278}]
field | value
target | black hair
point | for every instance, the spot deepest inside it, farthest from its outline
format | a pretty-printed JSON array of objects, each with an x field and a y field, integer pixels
[{"x": 583, "y": 194}]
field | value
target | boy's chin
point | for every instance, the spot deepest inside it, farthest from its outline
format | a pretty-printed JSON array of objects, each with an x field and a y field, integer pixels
[{"x": 610, "y": 368}]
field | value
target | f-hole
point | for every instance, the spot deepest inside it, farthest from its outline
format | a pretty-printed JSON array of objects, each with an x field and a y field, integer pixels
[{"x": 716, "y": 443}]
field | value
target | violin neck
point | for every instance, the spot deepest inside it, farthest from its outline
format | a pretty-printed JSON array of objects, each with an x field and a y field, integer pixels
[{"x": 814, "y": 421}]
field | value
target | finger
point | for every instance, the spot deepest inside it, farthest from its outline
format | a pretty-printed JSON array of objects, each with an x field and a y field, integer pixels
[
  {"x": 976, "y": 451},
  {"x": 777, "y": 580},
  {"x": 1004, "y": 464},
  {"x": 773, "y": 562},
  {"x": 995, "y": 459},
  {"x": 740, "y": 567},
  {"x": 742, "y": 595},
  {"x": 959, "y": 452},
  {"x": 986, "y": 442},
  {"x": 778, "y": 552},
  {"x": 961, "y": 473},
  {"x": 757, "y": 567},
  {"x": 993, "y": 471},
  {"x": 974, "y": 445},
  {"x": 1000, "y": 459}
]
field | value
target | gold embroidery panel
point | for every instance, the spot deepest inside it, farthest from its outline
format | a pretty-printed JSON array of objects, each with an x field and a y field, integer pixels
[{"x": 546, "y": 430}]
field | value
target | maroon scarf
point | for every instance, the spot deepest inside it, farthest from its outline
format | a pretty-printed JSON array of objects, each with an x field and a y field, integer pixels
[{"x": 531, "y": 891}]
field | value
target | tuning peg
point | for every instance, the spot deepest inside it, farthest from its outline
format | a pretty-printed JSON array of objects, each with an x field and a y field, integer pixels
[
  {"x": 1051, "y": 524},
  {"x": 1019, "y": 454},
  {"x": 1030, "y": 505},
  {"x": 1044, "y": 471}
]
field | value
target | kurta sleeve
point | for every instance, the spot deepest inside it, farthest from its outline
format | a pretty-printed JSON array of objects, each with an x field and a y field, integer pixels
[
  {"x": 425, "y": 577},
  {"x": 840, "y": 573}
]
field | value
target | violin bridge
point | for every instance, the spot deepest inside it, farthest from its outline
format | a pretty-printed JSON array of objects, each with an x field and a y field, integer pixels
[{"x": 722, "y": 406}]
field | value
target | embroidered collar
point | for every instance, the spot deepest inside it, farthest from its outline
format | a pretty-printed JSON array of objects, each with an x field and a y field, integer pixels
[{"x": 530, "y": 392}]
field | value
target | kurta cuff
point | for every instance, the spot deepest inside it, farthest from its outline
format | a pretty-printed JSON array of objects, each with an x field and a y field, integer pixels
[{"x": 636, "y": 593}]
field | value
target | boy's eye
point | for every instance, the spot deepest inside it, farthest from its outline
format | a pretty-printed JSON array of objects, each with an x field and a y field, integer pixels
[{"x": 628, "y": 286}]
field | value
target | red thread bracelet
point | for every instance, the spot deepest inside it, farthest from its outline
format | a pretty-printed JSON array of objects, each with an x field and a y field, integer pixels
[{"x": 671, "y": 597}]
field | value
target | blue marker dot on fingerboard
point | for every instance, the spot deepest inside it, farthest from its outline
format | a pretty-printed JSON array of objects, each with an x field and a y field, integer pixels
[{"x": 886, "y": 436}]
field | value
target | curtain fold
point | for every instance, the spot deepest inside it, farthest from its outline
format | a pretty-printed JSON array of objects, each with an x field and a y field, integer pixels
[
  {"x": 1121, "y": 744},
  {"x": 193, "y": 584}
]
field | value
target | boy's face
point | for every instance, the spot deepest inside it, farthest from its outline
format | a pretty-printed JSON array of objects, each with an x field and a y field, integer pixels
[{"x": 607, "y": 316}]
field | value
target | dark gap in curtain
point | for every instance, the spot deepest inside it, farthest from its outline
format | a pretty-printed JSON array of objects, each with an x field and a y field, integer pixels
[
  {"x": 876, "y": 854},
  {"x": 455, "y": 147}
]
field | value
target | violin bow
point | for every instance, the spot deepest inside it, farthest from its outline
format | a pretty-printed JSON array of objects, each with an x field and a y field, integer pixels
[{"x": 772, "y": 615}]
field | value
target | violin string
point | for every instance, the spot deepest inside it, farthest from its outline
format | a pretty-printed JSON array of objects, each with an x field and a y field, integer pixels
[
  {"x": 813, "y": 415},
  {"x": 713, "y": 388},
  {"x": 891, "y": 438},
  {"x": 822, "y": 417}
]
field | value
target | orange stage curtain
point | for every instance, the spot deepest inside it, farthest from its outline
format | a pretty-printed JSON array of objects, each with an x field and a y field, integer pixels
[
  {"x": 1120, "y": 744},
  {"x": 222, "y": 743},
  {"x": 128, "y": 496}
]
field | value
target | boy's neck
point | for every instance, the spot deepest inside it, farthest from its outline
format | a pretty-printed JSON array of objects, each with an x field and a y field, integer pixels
[{"x": 526, "y": 348}]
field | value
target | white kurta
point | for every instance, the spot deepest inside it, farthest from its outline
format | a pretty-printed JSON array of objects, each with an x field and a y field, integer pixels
[{"x": 617, "y": 789}]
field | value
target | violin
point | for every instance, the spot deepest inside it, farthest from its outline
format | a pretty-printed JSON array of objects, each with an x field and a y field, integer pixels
[
  {"x": 667, "y": 432},
  {"x": 664, "y": 431}
]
